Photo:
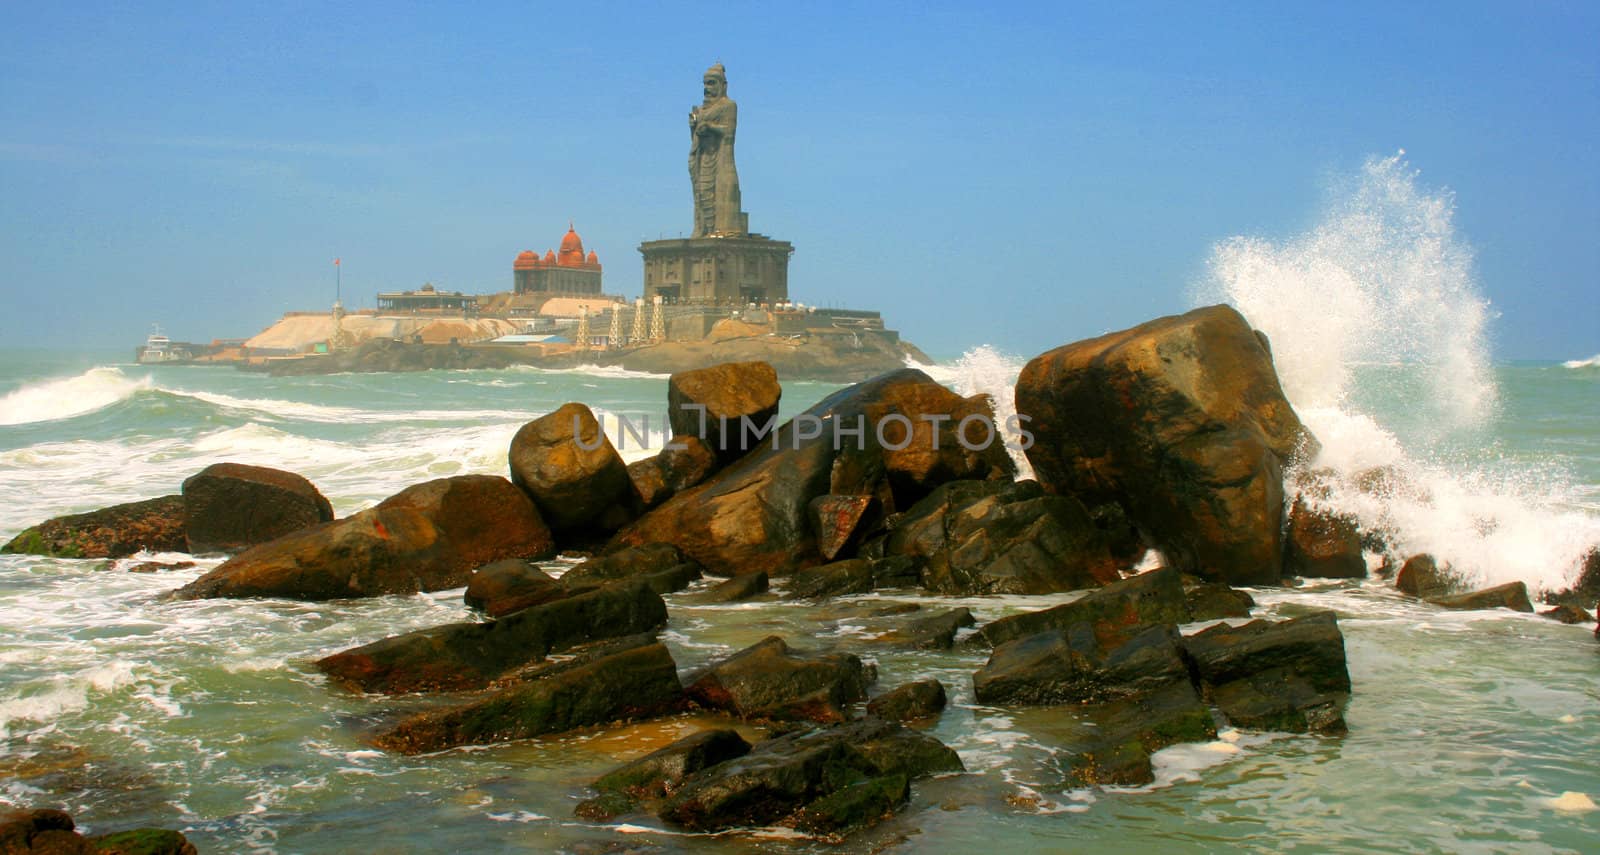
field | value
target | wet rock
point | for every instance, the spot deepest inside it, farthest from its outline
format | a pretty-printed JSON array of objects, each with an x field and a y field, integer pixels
[
  {"x": 755, "y": 514},
  {"x": 510, "y": 585},
  {"x": 1322, "y": 544},
  {"x": 840, "y": 521},
  {"x": 1155, "y": 597},
  {"x": 1180, "y": 421},
  {"x": 1002, "y": 537},
  {"x": 1288, "y": 676},
  {"x": 727, "y": 406},
  {"x": 1212, "y": 601},
  {"x": 568, "y": 467},
  {"x": 683, "y": 463},
  {"x": 1512, "y": 595},
  {"x": 770, "y": 681},
  {"x": 1568, "y": 615},
  {"x": 896, "y": 571},
  {"x": 160, "y": 566},
  {"x": 783, "y": 776},
  {"x": 634, "y": 683},
  {"x": 1072, "y": 666},
  {"x": 913, "y": 701},
  {"x": 471, "y": 655},
  {"x": 832, "y": 580},
  {"x": 153, "y": 525},
  {"x": 736, "y": 589},
  {"x": 425, "y": 538},
  {"x": 1585, "y": 590},
  {"x": 1116, "y": 749},
  {"x": 229, "y": 507},
  {"x": 1420, "y": 576},
  {"x": 625, "y": 563},
  {"x": 52, "y": 832},
  {"x": 854, "y": 806},
  {"x": 657, "y": 774},
  {"x": 673, "y": 579},
  {"x": 934, "y": 632}
]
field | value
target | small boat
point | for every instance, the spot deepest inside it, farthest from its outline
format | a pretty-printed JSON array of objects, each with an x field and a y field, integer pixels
[{"x": 158, "y": 349}]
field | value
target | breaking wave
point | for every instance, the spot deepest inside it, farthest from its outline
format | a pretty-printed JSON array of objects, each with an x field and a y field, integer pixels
[{"x": 53, "y": 400}]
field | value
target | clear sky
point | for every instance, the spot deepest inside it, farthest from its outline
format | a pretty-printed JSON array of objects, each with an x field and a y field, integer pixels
[{"x": 1022, "y": 175}]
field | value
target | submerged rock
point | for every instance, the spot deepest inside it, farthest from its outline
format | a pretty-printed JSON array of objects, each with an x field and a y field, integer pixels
[
  {"x": 471, "y": 655},
  {"x": 154, "y": 525},
  {"x": 52, "y": 832},
  {"x": 1115, "y": 750},
  {"x": 770, "y": 681},
  {"x": 913, "y": 701},
  {"x": 1512, "y": 595},
  {"x": 634, "y": 683},
  {"x": 510, "y": 585},
  {"x": 832, "y": 580},
  {"x": 1212, "y": 601},
  {"x": 1568, "y": 615},
  {"x": 736, "y": 589},
  {"x": 1072, "y": 666},
  {"x": 1288, "y": 676},
  {"x": 1180, "y": 421},
  {"x": 1002, "y": 537},
  {"x": 229, "y": 507},
  {"x": 566, "y": 464},
  {"x": 628, "y": 563},
  {"x": 783, "y": 777},
  {"x": 1155, "y": 597},
  {"x": 425, "y": 538},
  {"x": 934, "y": 632},
  {"x": 727, "y": 406},
  {"x": 659, "y": 773}
]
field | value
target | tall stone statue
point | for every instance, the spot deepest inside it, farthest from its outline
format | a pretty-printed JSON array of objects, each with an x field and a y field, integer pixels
[{"x": 711, "y": 169}]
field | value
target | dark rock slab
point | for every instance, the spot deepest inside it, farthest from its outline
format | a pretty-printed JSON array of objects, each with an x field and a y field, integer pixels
[
  {"x": 1213, "y": 601},
  {"x": 922, "y": 699},
  {"x": 52, "y": 832},
  {"x": 1155, "y": 597},
  {"x": 672, "y": 579},
  {"x": 1421, "y": 576},
  {"x": 735, "y": 590},
  {"x": 770, "y": 681},
  {"x": 154, "y": 525},
  {"x": 896, "y": 571},
  {"x": 229, "y": 507},
  {"x": 1181, "y": 421},
  {"x": 1288, "y": 676},
  {"x": 1116, "y": 750},
  {"x": 832, "y": 580},
  {"x": 934, "y": 632},
  {"x": 1512, "y": 595},
  {"x": 683, "y": 463},
  {"x": 1585, "y": 589},
  {"x": 1322, "y": 544},
  {"x": 1002, "y": 537},
  {"x": 657, "y": 774},
  {"x": 1568, "y": 615},
  {"x": 569, "y": 468},
  {"x": 511, "y": 585},
  {"x": 472, "y": 655},
  {"x": 1072, "y": 666},
  {"x": 726, "y": 406},
  {"x": 427, "y": 537},
  {"x": 634, "y": 683},
  {"x": 625, "y": 563}
]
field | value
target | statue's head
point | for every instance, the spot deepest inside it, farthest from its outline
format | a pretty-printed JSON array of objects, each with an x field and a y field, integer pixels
[{"x": 716, "y": 82}]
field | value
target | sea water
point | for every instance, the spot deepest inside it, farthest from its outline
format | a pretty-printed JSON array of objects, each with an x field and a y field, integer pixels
[{"x": 1469, "y": 731}]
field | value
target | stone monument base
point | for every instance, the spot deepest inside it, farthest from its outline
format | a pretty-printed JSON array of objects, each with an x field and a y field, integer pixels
[{"x": 731, "y": 270}]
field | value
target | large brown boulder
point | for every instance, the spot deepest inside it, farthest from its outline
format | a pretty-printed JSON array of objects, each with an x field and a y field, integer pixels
[
  {"x": 755, "y": 514},
  {"x": 683, "y": 463},
  {"x": 715, "y": 403},
  {"x": 425, "y": 538},
  {"x": 462, "y": 656},
  {"x": 1421, "y": 576},
  {"x": 1182, "y": 422},
  {"x": 569, "y": 468},
  {"x": 119, "y": 531},
  {"x": 511, "y": 585},
  {"x": 229, "y": 507},
  {"x": 610, "y": 685},
  {"x": 770, "y": 681},
  {"x": 1322, "y": 544},
  {"x": 1002, "y": 537}
]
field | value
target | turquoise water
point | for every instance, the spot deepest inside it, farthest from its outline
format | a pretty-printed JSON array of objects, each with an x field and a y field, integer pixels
[{"x": 1467, "y": 730}]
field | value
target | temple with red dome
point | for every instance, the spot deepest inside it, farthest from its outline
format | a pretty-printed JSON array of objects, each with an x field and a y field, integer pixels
[{"x": 568, "y": 271}]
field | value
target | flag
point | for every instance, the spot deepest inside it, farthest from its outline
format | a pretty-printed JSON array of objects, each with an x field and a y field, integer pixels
[{"x": 336, "y": 262}]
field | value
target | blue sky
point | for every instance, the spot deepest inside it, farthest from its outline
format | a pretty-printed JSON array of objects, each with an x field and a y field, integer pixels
[{"x": 1022, "y": 175}]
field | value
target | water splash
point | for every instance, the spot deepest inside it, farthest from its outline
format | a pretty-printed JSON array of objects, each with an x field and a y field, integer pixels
[
  {"x": 1380, "y": 337},
  {"x": 986, "y": 369}
]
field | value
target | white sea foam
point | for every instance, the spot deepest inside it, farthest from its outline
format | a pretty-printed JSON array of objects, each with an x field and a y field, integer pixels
[
  {"x": 1591, "y": 362},
  {"x": 985, "y": 369},
  {"x": 51, "y": 400},
  {"x": 1384, "y": 281}
]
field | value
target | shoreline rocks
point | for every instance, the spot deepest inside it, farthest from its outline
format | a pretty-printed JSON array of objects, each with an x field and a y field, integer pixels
[
  {"x": 118, "y": 531},
  {"x": 230, "y": 507}
]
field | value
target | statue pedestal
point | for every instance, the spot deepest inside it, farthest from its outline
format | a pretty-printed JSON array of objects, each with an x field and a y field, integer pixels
[{"x": 718, "y": 270}]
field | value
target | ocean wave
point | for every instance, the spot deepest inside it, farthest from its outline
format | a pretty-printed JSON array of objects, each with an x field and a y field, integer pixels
[
  {"x": 304, "y": 412},
  {"x": 988, "y": 370},
  {"x": 1591, "y": 362},
  {"x": 65, "y": 398},
  {"x": 615, "y": 372}
]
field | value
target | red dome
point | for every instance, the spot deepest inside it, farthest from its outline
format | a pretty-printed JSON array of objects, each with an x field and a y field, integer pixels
[
  {"x": 549, "y": 256},
  {"x": 526, "y": 260},
  {"x": 593, "y": 259},
  {"x": 571, "y": 249}
]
